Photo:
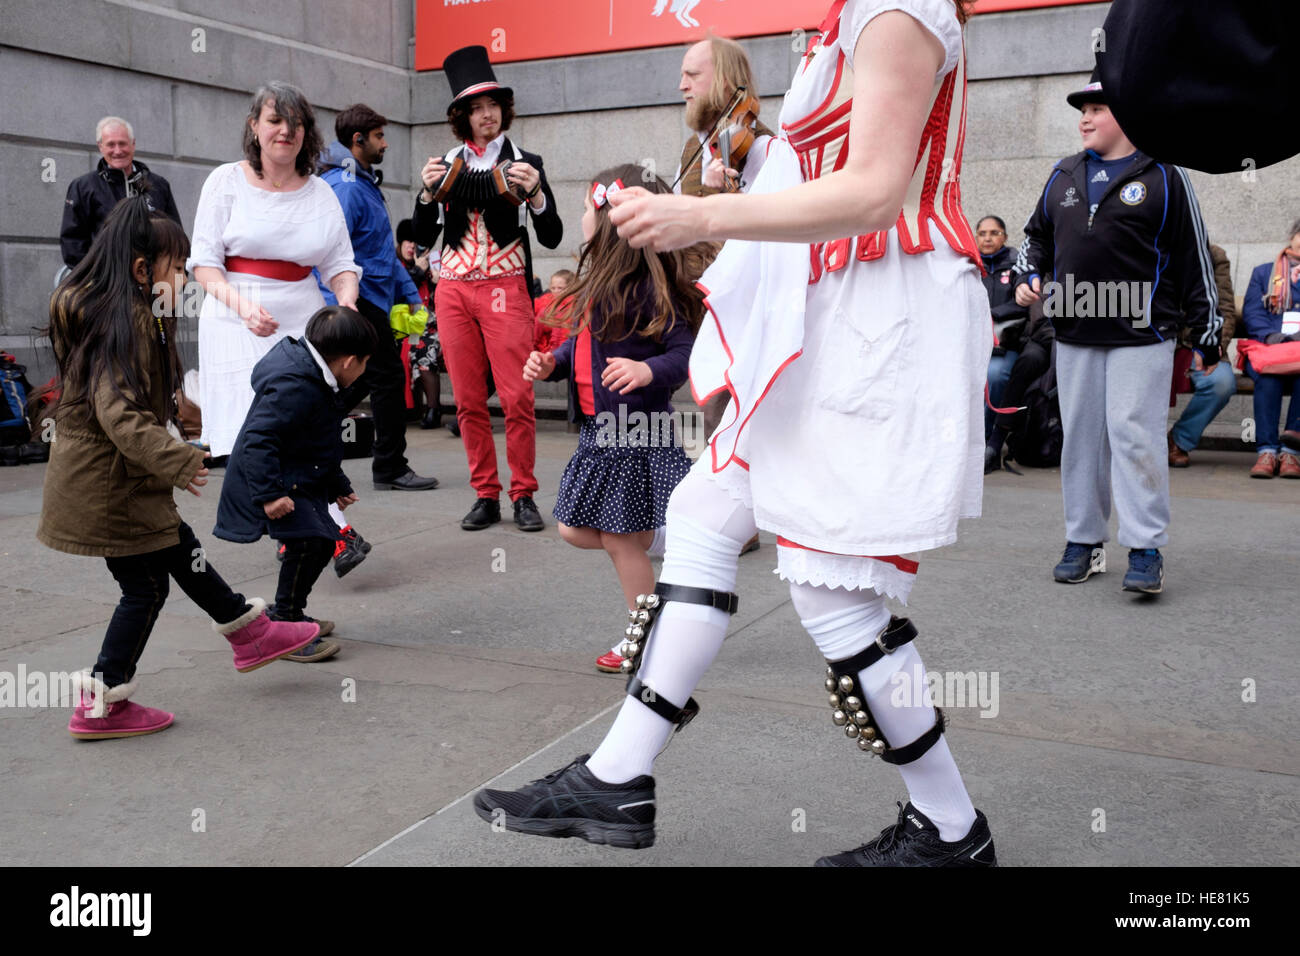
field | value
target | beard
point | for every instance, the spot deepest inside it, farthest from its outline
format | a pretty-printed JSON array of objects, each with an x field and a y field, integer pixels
[{"x": 703, "y": 112}]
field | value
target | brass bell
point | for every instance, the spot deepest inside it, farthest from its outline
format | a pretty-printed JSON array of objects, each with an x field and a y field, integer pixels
[
  {"x": 835, "y": 701},
  {"x": 878, "y": 747},
  {"x": 851, "y": 730},
  {"x": 861, "y": 718},
  {"x": 641, "y": 601},
  {"x": 651, "y": 601},
  {"x": 869, "y": 733},
  {"x": 864, "y": 744},
  {"x": 839, "y": 718},
  {"x": 623, "y": 649},
  {"x": 830, "y": 684},
  {"x": 642, "y": 617},
  {"x": 853, "y": 704},
  {"x": 846, "y": 684},
  {"x": 633, "y": 649},
  {"x": 628, "y": 666},
  {"x": 635, "y": 632},
  {"x": 829, "y": 672}
]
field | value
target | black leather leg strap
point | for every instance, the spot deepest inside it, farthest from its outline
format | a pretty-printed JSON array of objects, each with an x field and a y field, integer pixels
[
  {"x": 640, "y": 622},
  {"x": 681, "y": 716},
  {"x": 849, "y": 702},
  {"x": 917, "y": 748}
]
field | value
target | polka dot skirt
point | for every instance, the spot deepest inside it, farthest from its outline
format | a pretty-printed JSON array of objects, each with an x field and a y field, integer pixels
[{"x": 617, "y": 488}]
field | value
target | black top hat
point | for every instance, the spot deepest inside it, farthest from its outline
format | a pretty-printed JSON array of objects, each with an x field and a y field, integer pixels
[
  {"x": 470, "y": 74},
  {"x": 1092, "y": 93}
]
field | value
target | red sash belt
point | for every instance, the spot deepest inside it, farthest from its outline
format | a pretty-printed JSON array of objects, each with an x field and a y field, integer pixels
[{"x": 268, "y": 268}]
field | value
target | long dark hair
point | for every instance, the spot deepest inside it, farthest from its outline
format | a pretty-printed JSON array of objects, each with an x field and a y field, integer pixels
[
  {"x": 102, "y": 323},
  {"x": 621, "y": 290}
]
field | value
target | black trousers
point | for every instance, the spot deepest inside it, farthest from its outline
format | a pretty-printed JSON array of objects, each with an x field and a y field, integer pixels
[
  {"x": 304, "y": 560},
  {"x": 1032, "y": 364},
  {"x": 385, "y": 382},
  {"x": 143, "y": 579}
]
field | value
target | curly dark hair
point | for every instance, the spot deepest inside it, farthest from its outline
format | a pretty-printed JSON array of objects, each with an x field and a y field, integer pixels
[
  {"x": 292, "y": 104},
  {"x": 458, "y": 114}
]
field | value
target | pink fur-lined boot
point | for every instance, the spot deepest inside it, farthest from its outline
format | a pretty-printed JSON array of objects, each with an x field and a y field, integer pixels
[
  {"x": 104, "y": 712},
  {"x": 258, "y": 640}
]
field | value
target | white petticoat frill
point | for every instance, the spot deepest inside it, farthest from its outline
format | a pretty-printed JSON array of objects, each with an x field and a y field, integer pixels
[{"x": 851, "y": 572}]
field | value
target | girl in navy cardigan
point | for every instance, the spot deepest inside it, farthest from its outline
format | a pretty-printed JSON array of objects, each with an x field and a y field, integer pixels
[{"x": 634, "y": 313}]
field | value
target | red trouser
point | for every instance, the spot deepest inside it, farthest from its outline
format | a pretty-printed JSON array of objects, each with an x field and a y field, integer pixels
[{"x": 490, "y": 322}]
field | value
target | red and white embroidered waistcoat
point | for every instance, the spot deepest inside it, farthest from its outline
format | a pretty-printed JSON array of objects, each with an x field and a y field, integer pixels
[
  {"x": 933, "y": 200},
  {"x": 479, "y": 257}
]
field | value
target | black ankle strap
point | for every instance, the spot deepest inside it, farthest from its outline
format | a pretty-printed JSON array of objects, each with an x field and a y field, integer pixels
[
  {"x": 722, "y": 600},
  {"x": 681, "y": 716}
]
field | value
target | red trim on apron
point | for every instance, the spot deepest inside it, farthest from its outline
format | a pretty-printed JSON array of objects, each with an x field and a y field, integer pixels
[{"x": 903, "y": 564}]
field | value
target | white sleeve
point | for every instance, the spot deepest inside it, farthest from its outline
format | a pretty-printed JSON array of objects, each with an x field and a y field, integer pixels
[
  {"x": 754, "y": 160},
  {"x": 338, "y": 244},
  {"x": 937, "y": 16},
  {"x": 207, "y": 241}
]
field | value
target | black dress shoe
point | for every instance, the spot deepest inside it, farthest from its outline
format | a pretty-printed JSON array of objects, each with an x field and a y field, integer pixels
[
  {"x": 485, "y": 513},
  {"x": 432, "y": 418},
  {"x": 526, "y": 515},
  {"x": 453, "y": 426},
  {"x": 408, "y": 482}
]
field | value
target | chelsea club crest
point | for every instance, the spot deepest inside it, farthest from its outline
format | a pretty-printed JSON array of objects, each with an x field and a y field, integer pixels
[{"x": 1133, "y": 194}]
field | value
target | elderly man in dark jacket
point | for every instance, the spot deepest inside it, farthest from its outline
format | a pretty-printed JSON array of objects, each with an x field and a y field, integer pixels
[
  {"x": 92, "y": 197},
  {"x": 287, "y": 464}
]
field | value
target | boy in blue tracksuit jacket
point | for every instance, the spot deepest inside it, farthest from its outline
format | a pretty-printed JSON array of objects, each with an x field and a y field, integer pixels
[
  {"x": 1122, "y": 237},
  {"x": 287, "y": 464}
]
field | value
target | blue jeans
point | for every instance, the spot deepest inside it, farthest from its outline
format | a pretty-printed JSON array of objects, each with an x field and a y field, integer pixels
[
  {"x": 1269, "y": 392},
  {"x": 1212, "y": 394},
  {"x": 999, "y": 373}
]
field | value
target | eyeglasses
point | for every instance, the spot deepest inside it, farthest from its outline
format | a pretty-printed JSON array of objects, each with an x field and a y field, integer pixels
[{"x": 987, "y": 234}]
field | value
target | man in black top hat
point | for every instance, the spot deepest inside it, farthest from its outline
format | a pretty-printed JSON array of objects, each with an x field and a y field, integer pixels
[{"x": 483, "y": 300}]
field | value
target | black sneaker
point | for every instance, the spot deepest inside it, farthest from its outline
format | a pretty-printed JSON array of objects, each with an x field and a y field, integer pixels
[
  {"x": 573, "y": 802},
  {"x": 350, "y": 534},
  {"x": 485, "y": 513},
  {"x": 527, "y": 516},
  {"x": 914, "y": 841},
  {"x": 347, "y": 554}
]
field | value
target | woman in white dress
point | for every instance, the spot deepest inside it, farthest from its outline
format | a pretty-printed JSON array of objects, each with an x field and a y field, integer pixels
[
  {"x": 262, "y": 225},
  {"x": 855, "y": 368}
]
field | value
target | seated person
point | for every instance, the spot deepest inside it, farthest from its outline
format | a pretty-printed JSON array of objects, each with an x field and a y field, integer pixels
[
  {"x": 1031, "y": 342},
  {"x": 1213, "y": 386},
  {"x": 1273, "y": 298},
  {"x": 1000, "y": 284}
]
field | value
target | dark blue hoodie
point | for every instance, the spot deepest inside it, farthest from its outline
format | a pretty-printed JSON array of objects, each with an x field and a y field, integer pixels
[
  {"x": 291, "y": 444},
  {"x": 366, "y": 214}
]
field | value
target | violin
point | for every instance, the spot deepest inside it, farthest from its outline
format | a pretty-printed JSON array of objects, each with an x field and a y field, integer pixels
[
  {"x": 730, "y": 142},
  {"x": 734, "y": 133}
]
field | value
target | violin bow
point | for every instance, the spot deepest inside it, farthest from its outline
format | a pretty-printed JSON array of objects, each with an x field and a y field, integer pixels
[{"x": 735, "y": 101}]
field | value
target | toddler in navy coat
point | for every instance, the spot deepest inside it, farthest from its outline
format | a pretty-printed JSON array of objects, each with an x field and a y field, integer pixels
[{"x": 287, "y": 464}]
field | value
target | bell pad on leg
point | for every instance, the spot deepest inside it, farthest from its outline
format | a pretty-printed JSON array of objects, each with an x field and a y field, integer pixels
[
  {"x": 640, "y": 622},
  {"x": 849, "y": 703}
]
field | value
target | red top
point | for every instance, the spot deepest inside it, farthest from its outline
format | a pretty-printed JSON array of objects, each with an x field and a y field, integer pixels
[{"x": 582, "y": 372}]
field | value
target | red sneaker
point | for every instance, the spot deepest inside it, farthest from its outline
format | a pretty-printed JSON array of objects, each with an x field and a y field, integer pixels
[
  {"x": 258, "y": 640},
  {"x": 1288, "y": 466},
  {"x": 610, "y": 662},
  {"x": 114, "y": 715}
]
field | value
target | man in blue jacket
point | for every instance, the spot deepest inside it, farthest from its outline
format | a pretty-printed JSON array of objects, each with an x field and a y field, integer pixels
[
  {"x": 1122, "y": 236},
  {"x": 348, "y": 165}
]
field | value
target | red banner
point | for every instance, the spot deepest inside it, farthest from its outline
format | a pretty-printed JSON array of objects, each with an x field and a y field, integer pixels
[{"x": 536, "y": 29}]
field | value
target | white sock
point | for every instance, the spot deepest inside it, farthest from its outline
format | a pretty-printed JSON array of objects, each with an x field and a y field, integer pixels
[
  {"x": 337, "y": 514},
  {"x": 847, "y": 623},
  {"x": 686, "y": 637}
]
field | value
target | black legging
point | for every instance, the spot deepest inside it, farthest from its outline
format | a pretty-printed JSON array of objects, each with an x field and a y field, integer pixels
[{"x": 1033, "y": 362}]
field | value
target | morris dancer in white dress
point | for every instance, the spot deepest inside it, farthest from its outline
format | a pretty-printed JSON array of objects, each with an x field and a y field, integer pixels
[
  {"x": 262, "y": 225},
  {"x": 854, "y": 431}
]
